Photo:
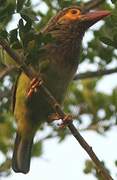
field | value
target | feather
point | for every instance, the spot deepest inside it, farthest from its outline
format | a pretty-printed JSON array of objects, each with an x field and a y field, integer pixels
[{"x": 22, "y": 154}]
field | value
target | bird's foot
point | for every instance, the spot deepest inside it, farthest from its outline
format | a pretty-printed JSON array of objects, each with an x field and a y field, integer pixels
[
  {"x": 53, "y": 117},
  {"x": 65, "y": 121},
  {"x": 34, "y": 85}
]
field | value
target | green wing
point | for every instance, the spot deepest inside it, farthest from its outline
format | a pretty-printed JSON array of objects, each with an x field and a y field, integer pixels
[{"x": 13, "y": 99}]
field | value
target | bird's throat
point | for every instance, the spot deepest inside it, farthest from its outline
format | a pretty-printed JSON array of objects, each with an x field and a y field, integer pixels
[{"x": 66, "y": 50}]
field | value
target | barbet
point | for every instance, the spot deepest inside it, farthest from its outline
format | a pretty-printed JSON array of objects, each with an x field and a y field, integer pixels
[{"x": 61, "y": 59}]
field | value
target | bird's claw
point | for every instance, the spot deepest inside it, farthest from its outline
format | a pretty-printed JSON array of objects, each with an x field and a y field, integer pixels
[
  {"x": 53, "y": 117},
  {"x": 34, "y": 85},
  {"x": 65, "y": 121}
]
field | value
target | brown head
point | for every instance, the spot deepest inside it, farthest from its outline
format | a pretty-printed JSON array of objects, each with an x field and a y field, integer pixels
[
  {"x": 68, "y": 28},
  {"x": 74, "y": 15}
]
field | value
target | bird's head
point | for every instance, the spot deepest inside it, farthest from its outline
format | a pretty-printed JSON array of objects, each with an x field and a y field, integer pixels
[
  {"x": 68, "y": 28},
  {"x": 74, "y": 20}
]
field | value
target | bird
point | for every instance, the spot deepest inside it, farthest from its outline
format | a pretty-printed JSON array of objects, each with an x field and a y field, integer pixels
[{"x": 57, "y": 67}]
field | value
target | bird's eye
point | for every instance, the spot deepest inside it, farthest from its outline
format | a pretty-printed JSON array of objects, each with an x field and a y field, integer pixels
[
  {"x": 72, "y": 14},
  {"x": 75, "y": 11}
]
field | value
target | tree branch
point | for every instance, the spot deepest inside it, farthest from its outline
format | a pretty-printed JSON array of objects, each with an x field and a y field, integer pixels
[
  {"x": 95, "y": 74},
  {"x": 52, "y": 101}
]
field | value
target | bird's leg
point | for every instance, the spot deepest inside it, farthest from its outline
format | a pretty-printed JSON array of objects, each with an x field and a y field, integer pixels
[
  {"x": 53, "y": 117},
  {"x": 65, "y": 121},
  {"x": 34, "y": 85}
]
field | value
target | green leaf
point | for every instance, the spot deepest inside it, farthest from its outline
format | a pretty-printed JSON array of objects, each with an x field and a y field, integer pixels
[
  {"x": 4, "y": 34},
  {"x": 106, "y": 41},
  {"x": 8, "y": 10},
  {"x": 16, "y": 45},
  {"x": 88, "y": 166},
  {"x": 21, "y": 24},
  {"x": 115, "y": 40},
  {"x": 27, "y": 26},
  {"x": 113, "y": 1},
  {"x": 116, "y": 163},
  {"x": 20, "y": 4},
  {"x": 37, "y": 149},
  {"x": 13, "y": 35},
  {"x": 28, "y": 13}
]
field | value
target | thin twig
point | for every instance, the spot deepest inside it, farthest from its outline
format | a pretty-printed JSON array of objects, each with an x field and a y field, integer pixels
[
  {"x": 90, "y": 152},
  {"x": 95, "y": 74},
  {"x": 52, "y": 101},
  {"x": 91, "y": 5}
]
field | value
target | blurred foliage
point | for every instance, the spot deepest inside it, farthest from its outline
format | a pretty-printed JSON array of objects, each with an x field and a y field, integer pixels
[
  {"x": 91, "y": 168},
  {"x": 83, "y": 99}
]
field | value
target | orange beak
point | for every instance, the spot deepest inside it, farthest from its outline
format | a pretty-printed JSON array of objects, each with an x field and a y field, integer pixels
[
  {"x": 95, "y": 16},
  {"x": 90, "y": 18}
]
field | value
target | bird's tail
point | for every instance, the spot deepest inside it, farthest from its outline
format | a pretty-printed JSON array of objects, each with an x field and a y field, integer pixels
[{"x": 22, "y": 154}]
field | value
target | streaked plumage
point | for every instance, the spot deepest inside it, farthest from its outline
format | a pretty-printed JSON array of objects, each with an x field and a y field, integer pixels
[{"x": 61, "y": 58}]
